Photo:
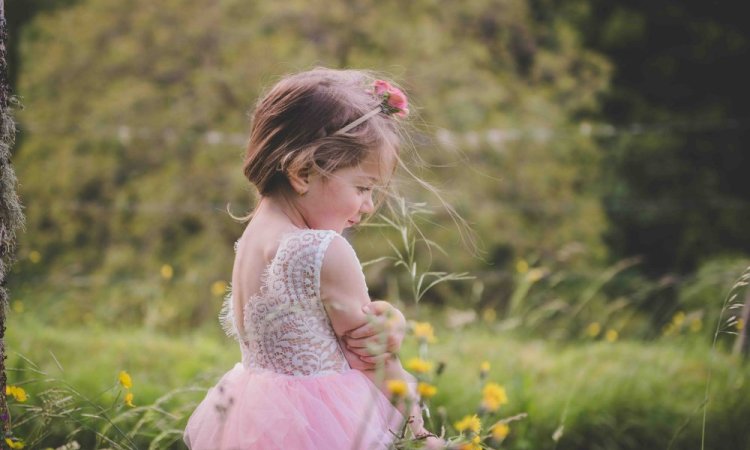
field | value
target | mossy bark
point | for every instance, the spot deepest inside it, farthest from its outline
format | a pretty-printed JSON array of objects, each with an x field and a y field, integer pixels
[{"x": 11, "y": 216}]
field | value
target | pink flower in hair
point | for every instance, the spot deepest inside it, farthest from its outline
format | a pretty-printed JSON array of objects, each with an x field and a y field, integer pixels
[{"x": 394, "y": 99}]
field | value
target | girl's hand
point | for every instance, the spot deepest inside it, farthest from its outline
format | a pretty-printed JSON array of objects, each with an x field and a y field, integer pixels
[
  {"x": 434, "y": 443},
  {"x": 381, "y": 336}
]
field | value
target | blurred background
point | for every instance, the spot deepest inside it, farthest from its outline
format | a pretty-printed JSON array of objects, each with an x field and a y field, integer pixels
[{"x": 598, "y": 149}]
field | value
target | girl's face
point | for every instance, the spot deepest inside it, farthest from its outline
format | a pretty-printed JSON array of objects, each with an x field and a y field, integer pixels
[{"x": 343, "y": 198}]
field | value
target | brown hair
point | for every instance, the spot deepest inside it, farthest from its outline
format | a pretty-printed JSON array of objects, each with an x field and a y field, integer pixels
[{"x": 293, "y": 127}]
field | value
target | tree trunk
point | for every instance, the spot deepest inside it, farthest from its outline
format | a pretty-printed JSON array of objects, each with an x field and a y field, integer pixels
[{"x": 11, "y": 216}]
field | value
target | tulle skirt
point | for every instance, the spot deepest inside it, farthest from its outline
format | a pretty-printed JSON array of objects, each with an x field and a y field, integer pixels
[{"x": 250, "y": 409}]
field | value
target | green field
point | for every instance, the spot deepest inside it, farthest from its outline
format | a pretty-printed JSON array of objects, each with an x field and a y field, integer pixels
[{"x": 597, "y": 394}]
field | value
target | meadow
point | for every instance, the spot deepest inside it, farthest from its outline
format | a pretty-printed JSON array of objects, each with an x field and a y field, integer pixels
[
  {"x": 598, "y": 393},
  {"x": 570, "y": 361}
]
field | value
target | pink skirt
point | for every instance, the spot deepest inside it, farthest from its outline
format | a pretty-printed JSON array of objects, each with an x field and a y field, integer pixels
[{"x": 251, "y": 409}]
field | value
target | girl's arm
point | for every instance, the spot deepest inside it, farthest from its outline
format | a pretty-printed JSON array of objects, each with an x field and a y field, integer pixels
[
  {"x": 381, "y": 336},
  {"x": 344, "y": 293}
]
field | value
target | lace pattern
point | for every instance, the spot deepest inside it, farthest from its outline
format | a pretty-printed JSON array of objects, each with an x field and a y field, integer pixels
[{"x": 286, "y": 328}]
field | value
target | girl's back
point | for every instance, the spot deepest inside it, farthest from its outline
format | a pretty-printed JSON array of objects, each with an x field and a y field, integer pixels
[{"x": 294, "y": 388}]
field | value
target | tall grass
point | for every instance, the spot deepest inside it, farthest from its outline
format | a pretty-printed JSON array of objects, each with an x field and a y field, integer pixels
[
  {"x": 586, "y": 392},
  {"x": 724, "y": 325}
]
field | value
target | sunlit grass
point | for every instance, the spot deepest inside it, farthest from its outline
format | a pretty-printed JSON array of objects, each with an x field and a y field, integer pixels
[{"x": 604, "y": 395}]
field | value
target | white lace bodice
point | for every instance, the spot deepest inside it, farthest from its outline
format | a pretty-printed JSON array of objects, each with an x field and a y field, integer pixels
[{"x": 286, "y": 328}]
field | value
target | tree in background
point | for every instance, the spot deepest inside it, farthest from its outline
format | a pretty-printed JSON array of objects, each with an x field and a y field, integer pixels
[
  {"x": 676, "y": 164},
  {"x": 133, "y": 132}
]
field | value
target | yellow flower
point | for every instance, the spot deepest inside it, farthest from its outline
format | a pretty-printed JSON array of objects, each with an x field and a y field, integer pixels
[
  {"x": 397, "y": 388},
  {"x": 125, "y": 380},
  {"x": 14, "y": 443},
  {"x": 418, "y": 365},
  {"x": 167, "y": 272},
  {"x": 678, "y": 318},
  {"x": 471, "y": 423},
  {"x": 493, "y": 396},
  {"x": 473, "y": 445},
  {"x": 18, "y": 393},
  {"x": 696, "y": 325},
  {"x": 740, "y": 324},
  {"x": 35, "y": 256},
  {"x": 128, "y": 400},
  {"x": 423, "y": 331},
  {"x": 218, "y": 288},
  {"x": 484, "y": 367},
  {"x": 593, "y": 329},
  {"x": 489, "y": 315},
  {"x": 426, "y": 390},
  {"x": 500, "y": 431},
  {"x": 611, "y": 335},
  {"x": 522, "y": 266}
]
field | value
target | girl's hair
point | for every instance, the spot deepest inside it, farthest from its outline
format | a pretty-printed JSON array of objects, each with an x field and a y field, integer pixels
[
  {"x": 294, "y": 130},
  {"x": 293, "y": 127}
]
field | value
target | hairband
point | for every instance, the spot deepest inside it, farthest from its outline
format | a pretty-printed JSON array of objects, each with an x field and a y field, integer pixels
[{"x": 393, "y": 101}]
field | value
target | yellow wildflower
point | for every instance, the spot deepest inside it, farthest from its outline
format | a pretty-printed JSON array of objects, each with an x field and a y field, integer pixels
[
  {"x": 397, "y": 388},
  {"x": 424, "y": 331},
  {"x": 493, "y": 396},
  {"x": 14, "y": 443},
  {"x": 489, "y": 315},
  {"x": 218, "y": 288},
  {"x": 167, "y": 272},
  {"x": 418, "y": 365},
  {"x": 740, "y": 324},
  {"x": 678, "y": 318},
  {"x": 128, "y": 400},
  {"x": 35, "y": 256},
  {"x": 611, "y": 335},
  {"x": 125, "y": 379},
  {"x": 18, "y": 393},
  {"x": 470, "y": 423},
  {"x": 593, "y": 329},
  {"x": 473, "y": 445},
  {"x": 426, "y": 390},
  {"x": 484, "y": 367},
  {"x": 522, "y": 266},
  {"x": 696, "y": 325},
  {"x": 500, "y": 431}
]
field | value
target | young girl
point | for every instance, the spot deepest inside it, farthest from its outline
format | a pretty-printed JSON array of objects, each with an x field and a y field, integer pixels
[{"x": 321, "y": 142}]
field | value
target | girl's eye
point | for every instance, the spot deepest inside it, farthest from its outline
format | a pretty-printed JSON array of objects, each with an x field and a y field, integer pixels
[{"x": 363, "y": 189}]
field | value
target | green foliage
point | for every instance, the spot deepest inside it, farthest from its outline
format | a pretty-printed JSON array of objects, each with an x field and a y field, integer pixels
[
  {"x": 677, "y": 176},
  {"x": 133, "y": 132}
]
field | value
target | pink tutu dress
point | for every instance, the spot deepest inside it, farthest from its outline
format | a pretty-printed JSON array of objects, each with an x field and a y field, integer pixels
[{"x": 294, "y": 389}]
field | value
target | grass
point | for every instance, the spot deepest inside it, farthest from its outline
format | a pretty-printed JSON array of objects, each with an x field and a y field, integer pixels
[
  {"x": 620, "y": 395},
  {"x": 606, "y": 395}
]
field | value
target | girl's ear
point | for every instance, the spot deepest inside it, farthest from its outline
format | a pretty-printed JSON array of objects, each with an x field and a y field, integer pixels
[{"x": 299, "y": 180}]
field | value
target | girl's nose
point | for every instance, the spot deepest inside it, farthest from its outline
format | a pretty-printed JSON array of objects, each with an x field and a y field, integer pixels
[{"x": 367, "y": 206}]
